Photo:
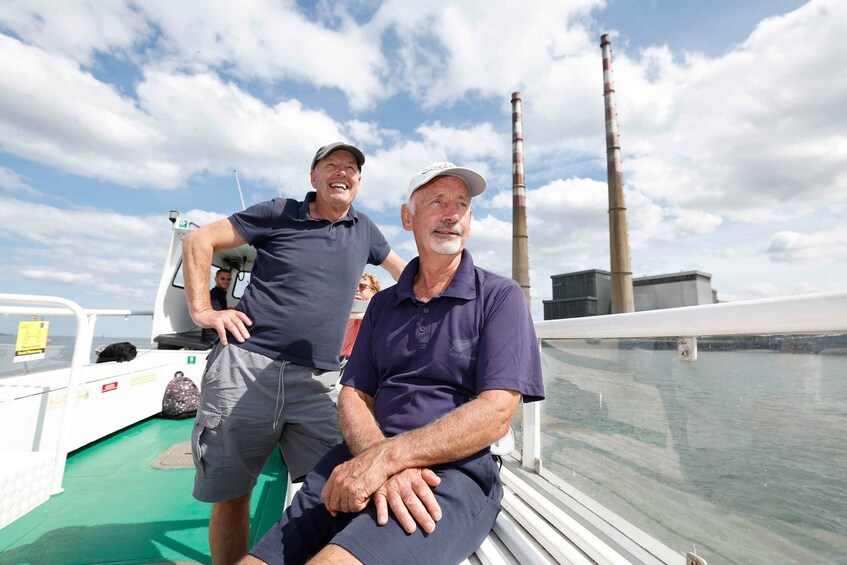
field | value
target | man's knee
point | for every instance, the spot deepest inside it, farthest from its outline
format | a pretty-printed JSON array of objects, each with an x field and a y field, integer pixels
[{"x": 232, "y": 507}]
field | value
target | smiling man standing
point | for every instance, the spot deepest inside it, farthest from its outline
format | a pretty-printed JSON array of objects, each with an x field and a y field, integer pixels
[{"x": 271, "y": 379}]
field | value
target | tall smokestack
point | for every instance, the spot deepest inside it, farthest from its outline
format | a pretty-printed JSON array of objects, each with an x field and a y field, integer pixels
[
  {"x": 520, "y": 248},
  {"x": 622, "y": 297}
]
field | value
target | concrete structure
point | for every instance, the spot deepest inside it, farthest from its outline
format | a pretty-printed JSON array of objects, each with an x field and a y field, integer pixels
[
  {"x": 673, "y": 290},
  {"x": 584, "y": 293},
  {"x": 520, "y": 240},
  {"x": 589, "y": 293},
  {"x": 622, "y": 297}
]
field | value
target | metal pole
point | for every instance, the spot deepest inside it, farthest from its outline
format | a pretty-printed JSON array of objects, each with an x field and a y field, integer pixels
[
  {"x": 622, "y": 295},
  {"x": 520, "y": 245}
]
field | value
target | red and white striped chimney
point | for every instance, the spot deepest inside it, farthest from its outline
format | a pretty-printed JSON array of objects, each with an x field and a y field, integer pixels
[
  {"x": 622, "y": 295},
  {"x": 520, "y": 243}
]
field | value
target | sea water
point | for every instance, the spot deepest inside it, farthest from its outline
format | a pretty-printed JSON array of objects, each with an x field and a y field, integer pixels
[
  {"x": 57, "y": 355},
  {"x": 741, "y": 454}
]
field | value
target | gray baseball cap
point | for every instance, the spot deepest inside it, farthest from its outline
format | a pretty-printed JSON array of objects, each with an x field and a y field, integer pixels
[
  {"x": 327, "y": 149},
  {"x": 475, "y": 181}
]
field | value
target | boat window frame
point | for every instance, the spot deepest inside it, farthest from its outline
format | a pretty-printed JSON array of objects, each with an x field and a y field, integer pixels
[{"x": 178, "y": 274}]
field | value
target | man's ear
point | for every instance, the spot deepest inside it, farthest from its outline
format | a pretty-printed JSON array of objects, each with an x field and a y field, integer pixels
[
  {"x": 314, "y": 178},
  {"x": 406, "y": 217}
]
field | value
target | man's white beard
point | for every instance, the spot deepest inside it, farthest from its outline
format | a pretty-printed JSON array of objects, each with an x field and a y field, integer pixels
[{"x": 445, "y": 245}]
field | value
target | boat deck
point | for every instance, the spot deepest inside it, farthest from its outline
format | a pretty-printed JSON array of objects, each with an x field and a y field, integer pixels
[{"x": 118, "y": 508}]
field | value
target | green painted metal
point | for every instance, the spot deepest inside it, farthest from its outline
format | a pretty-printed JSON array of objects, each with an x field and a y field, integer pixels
[{"x": 118, "y": 509}]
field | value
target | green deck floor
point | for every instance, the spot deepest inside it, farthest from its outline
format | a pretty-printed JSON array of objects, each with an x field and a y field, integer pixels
[{"x": 117, "y": 508}]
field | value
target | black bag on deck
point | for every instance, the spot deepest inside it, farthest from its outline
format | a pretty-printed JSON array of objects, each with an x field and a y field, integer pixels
[
  {"x": 123, "y": 351},
  {"x": 182, "y": 397}
]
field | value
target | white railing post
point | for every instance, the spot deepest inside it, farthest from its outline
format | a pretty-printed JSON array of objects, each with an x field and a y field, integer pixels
[
  {"x": 80, "y": 353},
  {"x": 88, "y": 338},
  {"x": 531, "y": 454}
]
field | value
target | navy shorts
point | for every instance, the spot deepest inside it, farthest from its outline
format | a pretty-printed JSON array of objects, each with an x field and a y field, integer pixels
[{"x": 469, "y": 496}]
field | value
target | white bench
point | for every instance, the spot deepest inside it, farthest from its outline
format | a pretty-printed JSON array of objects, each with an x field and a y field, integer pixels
[
  {"x": 522, "y": 535},
  {"x": 533, "y": 528}
]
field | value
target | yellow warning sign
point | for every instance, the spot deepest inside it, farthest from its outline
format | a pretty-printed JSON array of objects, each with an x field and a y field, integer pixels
[{"x": 32, "y": 341}]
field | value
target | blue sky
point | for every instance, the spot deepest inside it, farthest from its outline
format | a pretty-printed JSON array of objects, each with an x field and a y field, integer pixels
[{"x": 731, "y": 116}]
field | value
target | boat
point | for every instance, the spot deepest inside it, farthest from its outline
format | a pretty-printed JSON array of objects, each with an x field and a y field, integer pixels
[{"x": 653, "y": 446}]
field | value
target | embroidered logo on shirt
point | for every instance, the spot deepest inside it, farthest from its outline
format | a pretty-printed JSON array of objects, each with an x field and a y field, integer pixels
[{"x": 461, "y": 346}]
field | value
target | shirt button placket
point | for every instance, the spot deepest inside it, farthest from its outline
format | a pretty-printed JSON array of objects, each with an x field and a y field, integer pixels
[{"x": 422, "y": 333}]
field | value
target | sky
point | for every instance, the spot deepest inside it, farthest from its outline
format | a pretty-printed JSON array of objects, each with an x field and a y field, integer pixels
[{"x": 731, "y": 115}]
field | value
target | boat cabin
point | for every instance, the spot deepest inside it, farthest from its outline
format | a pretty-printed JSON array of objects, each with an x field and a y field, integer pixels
[{"x": 173, "y": 327}]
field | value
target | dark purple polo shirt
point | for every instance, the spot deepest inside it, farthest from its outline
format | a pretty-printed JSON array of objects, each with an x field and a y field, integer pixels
[
  {"x": 421, "y": 360},
  {"x": 304, "y": 280}
]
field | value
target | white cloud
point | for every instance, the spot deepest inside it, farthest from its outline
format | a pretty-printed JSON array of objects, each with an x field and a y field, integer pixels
[
  {"x": 181, "y": 125},
  {"x": 754, "y": 135},
  {"x": 13, "y": 182},
  {"x": 824, "y": 246},
  {"x": 76, "y": 29},
  {"x": 54, "y": 276},
  {"x": 386, "y": 175},
  {"x": 202, "y": 217},
  {"x": 448, "y": 50},
  {"x": 78, "y": 251}
]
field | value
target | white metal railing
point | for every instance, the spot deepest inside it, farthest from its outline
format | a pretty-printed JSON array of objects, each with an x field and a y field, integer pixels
[
  {"x": 85, "y": 321},
  {"x": 818, "y": 313}
]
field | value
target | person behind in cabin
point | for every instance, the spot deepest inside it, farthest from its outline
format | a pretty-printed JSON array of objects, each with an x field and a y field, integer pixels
[
  {"x": 441, "y": 362},
  {"x": 217, "y": 297},
  {"x": 275, "y": 383},
  {"x": 368, "y": 286}
]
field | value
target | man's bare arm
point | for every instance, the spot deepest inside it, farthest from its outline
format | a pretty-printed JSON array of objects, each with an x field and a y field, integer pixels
[
  {"x": 197, "y": 250},
  {"x": 409, "y": 493},
  {"x": 464, "y": 431},
  {"x": 394, "y": 264},
  {"x": 356, "y": 419}
]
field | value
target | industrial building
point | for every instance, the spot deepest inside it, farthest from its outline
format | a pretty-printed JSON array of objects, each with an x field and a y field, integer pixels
[{"x": 588, "y": 293}]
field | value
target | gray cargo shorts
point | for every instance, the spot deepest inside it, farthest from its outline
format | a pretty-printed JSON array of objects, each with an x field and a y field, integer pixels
[{"x": 249, "y": 404}]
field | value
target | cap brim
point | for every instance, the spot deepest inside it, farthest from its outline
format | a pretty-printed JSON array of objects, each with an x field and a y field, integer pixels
[
  {"x": 473, "y": 180},
  {"x": 355, "y": 151}
]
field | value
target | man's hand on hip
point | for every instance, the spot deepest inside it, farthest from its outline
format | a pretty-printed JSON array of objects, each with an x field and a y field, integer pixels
[{"x": 234, "y": 321}]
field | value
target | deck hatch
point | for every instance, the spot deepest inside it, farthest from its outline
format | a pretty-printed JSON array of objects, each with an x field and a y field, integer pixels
[{"x": 177, "y": 456}]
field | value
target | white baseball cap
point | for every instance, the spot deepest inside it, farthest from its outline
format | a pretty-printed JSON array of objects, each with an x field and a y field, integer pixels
[{"x": 475, "y": 181}]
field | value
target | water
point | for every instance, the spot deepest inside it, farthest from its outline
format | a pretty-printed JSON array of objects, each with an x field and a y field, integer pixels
[
  {"x": 741, "y": 453},
  {"x": 57, "y": 355}
]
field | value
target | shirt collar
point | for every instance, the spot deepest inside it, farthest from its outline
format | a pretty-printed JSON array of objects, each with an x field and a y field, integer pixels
[
  {"x": 311, "y": 196},
  {"x": 462, "y": 286}
]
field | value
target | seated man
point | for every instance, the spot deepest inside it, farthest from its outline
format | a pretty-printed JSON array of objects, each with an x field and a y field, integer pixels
[
  {"x": 442, "y": 361},
  {"x": 218, "y": 297}
]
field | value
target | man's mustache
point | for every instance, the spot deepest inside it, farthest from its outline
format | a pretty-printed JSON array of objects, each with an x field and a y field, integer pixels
[{"x": 453, "y": 228}]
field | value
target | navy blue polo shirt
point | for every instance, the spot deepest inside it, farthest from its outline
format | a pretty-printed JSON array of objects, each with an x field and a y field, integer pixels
[
  {"x": 422, "y": 360},
  {"x": 304, "y": 280}
]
